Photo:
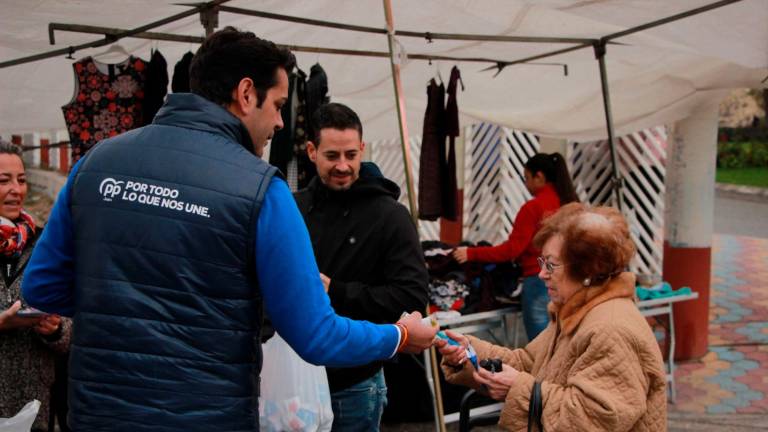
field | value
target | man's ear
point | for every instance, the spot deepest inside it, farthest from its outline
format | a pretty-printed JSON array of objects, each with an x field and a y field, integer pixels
[
  {"x": 311, "y": 151},
  {"x": 243, "y": 98},
  {"x": 362, "y": 148}
]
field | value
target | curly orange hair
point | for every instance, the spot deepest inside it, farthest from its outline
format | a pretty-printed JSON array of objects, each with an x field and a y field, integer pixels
[{"x": 596, "y": 241}]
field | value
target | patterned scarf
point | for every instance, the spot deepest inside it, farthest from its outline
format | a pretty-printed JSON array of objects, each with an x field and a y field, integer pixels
[{"x": 14, "y": 234}]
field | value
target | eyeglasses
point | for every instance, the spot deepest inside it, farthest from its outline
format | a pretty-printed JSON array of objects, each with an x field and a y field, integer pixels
[{"x": 545, "y": 264}]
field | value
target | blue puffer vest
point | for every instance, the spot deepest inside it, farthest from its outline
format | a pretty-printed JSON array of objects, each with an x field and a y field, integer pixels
[{"x": 168, "y": 311}]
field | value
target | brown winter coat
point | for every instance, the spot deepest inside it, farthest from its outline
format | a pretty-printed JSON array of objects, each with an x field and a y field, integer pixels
[{"x": 599, "y": 363}]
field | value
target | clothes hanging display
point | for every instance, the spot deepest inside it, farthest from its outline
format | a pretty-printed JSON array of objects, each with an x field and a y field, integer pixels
[
  {"x": 281, "y": 151},
  {"x": 317, "y": 94},
  {"x": 180, "y": 80},
  {"x": 289, "y": 145},
  {"x": 449, "y": 186},
  {"x": 305, "y": 169},
  {"x": 432, "y": 154},
  {"x": 156, "y": 86},
  {"x": 437, "y": 169},
  {"x": 108, "y": 100}
]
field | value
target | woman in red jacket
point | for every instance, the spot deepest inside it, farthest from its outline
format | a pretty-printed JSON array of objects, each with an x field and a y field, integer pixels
[{"x": 548, "y": 180}]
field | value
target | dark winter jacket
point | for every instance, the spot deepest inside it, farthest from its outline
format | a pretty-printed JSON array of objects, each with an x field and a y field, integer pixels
[
  {"x": 165, "y": 340},
  {"x": 366, "y": 242}
]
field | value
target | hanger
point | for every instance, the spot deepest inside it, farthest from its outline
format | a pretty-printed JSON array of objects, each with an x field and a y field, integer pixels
[
  {"x": 437, "y": 71},
  {"x": 461, "y": 81},
  {"x": 114, "y": 50}
]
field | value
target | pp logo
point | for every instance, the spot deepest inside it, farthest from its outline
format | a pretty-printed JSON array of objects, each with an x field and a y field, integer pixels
[{"x": 110, "y": 188}]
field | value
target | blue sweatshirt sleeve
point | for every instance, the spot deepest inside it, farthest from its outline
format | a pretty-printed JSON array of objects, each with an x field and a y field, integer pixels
[
  {"x": 294, "y": 297},
  {"x": 49, "y": 279}
]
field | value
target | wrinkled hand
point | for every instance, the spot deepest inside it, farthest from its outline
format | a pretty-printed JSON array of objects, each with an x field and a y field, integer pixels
[
  {"x": 460, "y": 254},
  {"x": 497, "y": 384},
  {"x": 9, "y": 319},
  {"x": 453, "y": 354},
  {"x": 420, "y": 336},
  {"x": 48, "y": 325},
  {"x": 326, "y": 281}
]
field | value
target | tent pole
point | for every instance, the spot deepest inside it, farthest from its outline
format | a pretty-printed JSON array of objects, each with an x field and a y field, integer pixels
[
  {"x": 616, "y": 181},
  {"x": 401, "y": 115}
]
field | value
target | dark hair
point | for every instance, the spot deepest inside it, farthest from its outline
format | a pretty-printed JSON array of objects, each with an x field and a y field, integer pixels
[
  {"x": 10, "y": 148},
  {"x": 335, "y": 116},
  {"x": 596, "y": 241},
  {"x": 556, "y": 172},
  {"x": 228, "y": 56}
]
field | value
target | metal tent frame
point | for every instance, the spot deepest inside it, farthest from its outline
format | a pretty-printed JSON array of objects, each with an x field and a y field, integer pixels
[{"x": 209, "y": 11}]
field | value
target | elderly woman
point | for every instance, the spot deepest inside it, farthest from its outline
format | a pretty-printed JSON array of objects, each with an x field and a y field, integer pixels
[
  {"x": 27, "y": 344},
  {"x": 597, "y": 364}
]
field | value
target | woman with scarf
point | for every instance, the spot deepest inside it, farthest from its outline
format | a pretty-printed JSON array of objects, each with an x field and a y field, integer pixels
[
  {"x": 597, "y": 365},
  {"x": 27, "y": 344}
]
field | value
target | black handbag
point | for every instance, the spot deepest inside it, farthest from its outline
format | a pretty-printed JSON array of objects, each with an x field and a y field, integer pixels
[{"x": 535, "y": 408}]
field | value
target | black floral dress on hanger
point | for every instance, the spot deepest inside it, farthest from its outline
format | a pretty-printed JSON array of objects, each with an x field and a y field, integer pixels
[{"x": 108, "y": 101}]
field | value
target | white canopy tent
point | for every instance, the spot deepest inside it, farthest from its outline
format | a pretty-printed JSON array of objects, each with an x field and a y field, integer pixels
[{"x": 656, "y": 76}]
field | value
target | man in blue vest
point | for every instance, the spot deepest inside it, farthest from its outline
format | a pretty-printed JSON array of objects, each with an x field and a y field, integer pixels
[{"x": 166, "y": 243}]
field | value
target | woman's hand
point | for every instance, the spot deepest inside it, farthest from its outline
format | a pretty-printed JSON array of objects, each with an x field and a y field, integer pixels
[
  {"x": 454, "y": 355},
  {"x": 9, "y": 320},
  {"x": 48, "y": 325},
  {"x": 497, "y": 384},
  {"x": 460, "y": 254}
]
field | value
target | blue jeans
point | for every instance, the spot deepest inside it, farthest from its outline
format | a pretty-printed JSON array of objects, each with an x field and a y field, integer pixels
[
  {"x": 535, "y": 300},
  {"x": 359, "y": 408}
]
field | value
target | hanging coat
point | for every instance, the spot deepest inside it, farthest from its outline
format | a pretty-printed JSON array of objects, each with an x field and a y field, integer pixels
[
  {"x": 156, "y": 86},
  {"x": 180, "y": 81},
  {"x": 282, "y": 146},
  {"x": 432, "y": 154},
  {"x": 449, "y": 185}
]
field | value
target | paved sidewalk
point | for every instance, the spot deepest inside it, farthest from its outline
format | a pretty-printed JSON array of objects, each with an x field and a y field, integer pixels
[{"x": 732, "y": 377}]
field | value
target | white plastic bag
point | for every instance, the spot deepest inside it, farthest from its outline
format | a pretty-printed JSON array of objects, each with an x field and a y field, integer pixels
[
  {"x": 294, "y": 393},
  {"x": 22, "y": 421}
]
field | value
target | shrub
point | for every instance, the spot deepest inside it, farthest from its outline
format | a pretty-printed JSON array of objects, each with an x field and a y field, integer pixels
[
  {"x": 742, "y": 154},
  {"x": 760, "y": 154}
]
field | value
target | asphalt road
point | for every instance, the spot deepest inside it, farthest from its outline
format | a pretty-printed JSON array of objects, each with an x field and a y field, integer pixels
[{"x": 739, "y": 216}]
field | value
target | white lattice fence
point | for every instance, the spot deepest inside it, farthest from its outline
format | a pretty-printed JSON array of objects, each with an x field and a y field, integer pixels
[
  {"x": 642, "y": 160},
  {"x": 493, "y": 184},
  {"x": 494, "y": 188},
  {"x": 388, "y": 155}
]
